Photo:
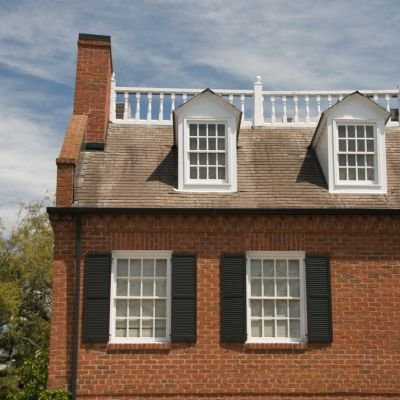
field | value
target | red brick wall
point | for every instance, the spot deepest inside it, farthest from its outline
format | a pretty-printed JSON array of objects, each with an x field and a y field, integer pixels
[
  {"x": 92, "y": 86},
  {"x": 363, "y": 362}
]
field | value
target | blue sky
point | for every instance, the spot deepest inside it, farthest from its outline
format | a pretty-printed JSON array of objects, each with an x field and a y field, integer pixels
[{"x": 303, "y": 44}]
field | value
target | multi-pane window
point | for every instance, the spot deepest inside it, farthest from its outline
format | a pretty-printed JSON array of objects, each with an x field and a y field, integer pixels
[
  {"x": 356, "y": 152},
  {"x": 275, "y": 298},
  {"x": 207, "y": 151},
  {"x": 140, "y": 298}
]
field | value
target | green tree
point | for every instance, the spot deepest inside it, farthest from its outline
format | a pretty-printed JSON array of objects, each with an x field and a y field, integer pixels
[{"x": 25, "y": 280}]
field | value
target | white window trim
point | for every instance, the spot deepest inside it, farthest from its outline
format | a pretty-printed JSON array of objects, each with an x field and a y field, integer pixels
[
  {"x": 300, "y": 255},
  {"x": 139, "y": 254},
  {"x": 359, "y": 187},
  {"x": 189, "y": 185}
]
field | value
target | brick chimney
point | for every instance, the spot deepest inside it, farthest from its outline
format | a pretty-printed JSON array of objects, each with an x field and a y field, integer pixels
[{"x": 93, "y": 82}]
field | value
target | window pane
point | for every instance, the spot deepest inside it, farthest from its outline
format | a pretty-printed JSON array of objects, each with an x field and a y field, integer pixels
[
  {"x": 147, "y": 308},
  {"x": 370, "y": 174},
  {"x": 360, "y": 160},
  {"x": 203, "y": 144},
  {"x": 134, "y": 325},
  {"x": 211, "y": 144},
  {"x": 256, "y": 328},
  {"x": 193, "y": 159},
  {"x": 351, "y": 158},
  {"x": 268, "y": 270},
  {"x": 121, "y": 308},
  {"x": 370, "y": 131},
  {"x": 360, "y": 131},
  {"x": 370, "y": 161},
  {"x": 221, "y": 130},
  {"x": 256, "y": 308},
  {"x": 255, "y": 268},
  {"x": 135, "y": 267},
  {"x": 161, "y": 268},
  {"x": 193, "y": 129},
  {"x": 370, "y": 145},
  {"x": 161, "y": 329},
  {"x": 203, "y": 173},
  {"x": 351, "y": 145},
  {"x": 269, "y": 288},
  {"x": 342, "y": 131},
  {"x": 221, "y": 144},
  {"x": 269, "y": 328},
  {"x": 211, "y": 130},
  {"x": 342, "y": 174},
  {"x": 202, "y": 129},
  {"x": 134, "y": 287},
  {"x": 342, "y": 145},
  {"x": 294, "y": 288},
  {"x": 256, "y": 287},
  {"x": 122, "y": 267},
  {"x": 281, "y": 328},
  {"x": 161, "y": 288},
  {"x": 147, "y": 287},
  {"x": 147, "y": 328},
  {"x": 134, "y": 308},
  {"x": 281, "y": 287},
  {"x": 294, "y": 308},
  {"x": 342, "y": 160},
  {"x": 294, "y": 328},
  {"x": 120, "y": 328},
  {"x": 212, "y": 159},
  {"x": 352, "y": 174},
  {"x": 161, "y": 308},
  {"x": 212, "y": 173},
  {"x": 294, "y": 268},
  {"x": 351, "y": 131},
  {"x": 361, "y": 174},
  {"x": 281, "y": 268},
  {"x": 269, "y": 308},
  {"x": 221, "y": 159},
  {"x": 202, "y": 158},
  {"x": 193, "y": 173},
  {"x": 221, "y": 173},
  {"x": 193, "y": 144},
  {"x": 281, "y": 308},
  {"x": 360, "y": 145},
  {"x": 148, "y": 268},
  {"x": 122, "y": 287}
]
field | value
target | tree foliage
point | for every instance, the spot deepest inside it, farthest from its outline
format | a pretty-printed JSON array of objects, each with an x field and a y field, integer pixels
[{"x": 25, "y": 280}]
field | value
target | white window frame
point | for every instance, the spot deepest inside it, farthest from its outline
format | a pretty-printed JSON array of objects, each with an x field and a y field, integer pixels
[
  {"x": 139, "y": 254},
  {"x": 354, "y": 186},
  {"x": 299, "y": 255},
  {"x": 206, "y": 182}
]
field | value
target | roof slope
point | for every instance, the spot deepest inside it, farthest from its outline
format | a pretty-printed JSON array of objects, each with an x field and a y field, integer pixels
[{"x": 138, "y": 169}]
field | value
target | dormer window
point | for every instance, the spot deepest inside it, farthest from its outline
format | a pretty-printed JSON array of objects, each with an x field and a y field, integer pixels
[
  {"x": 356, "y": 153},
  {"x": 350, "y": 144},
  {"x": 206, "y": 129}
]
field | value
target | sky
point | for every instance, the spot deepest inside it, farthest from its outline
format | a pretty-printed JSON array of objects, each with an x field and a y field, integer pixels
[{"x": 224, "y": 44}]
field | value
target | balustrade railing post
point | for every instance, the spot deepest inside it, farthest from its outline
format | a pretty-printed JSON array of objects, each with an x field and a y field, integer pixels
[
  {"x": 113, "y": 99},
  {"x": 258, "y": 117}
]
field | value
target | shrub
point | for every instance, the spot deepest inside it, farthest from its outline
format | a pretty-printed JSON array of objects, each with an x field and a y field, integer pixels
[{"x": 55, "y": 395}]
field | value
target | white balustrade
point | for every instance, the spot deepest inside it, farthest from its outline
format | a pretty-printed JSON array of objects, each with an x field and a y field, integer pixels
[{"x": 259, "y": 107}]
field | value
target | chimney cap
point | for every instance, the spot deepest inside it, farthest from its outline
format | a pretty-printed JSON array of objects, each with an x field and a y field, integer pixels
[{"x": 88, "y": 36}]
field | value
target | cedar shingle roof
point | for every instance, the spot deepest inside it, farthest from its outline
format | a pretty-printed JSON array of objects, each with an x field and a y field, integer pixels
[{"x": 138, "y": 169}]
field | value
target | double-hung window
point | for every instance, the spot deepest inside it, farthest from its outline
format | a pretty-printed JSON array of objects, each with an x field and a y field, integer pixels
[
  {"x": 206, "y": 153},
  {"x": 356, "y": 153},
  {"x": 275, "y": 297},
  {"x": 140, "y": 297}
]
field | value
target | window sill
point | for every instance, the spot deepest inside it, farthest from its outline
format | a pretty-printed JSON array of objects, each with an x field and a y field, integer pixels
[
  {"x": 276, "y": 346},
  {"x": 139, "y": 346}
]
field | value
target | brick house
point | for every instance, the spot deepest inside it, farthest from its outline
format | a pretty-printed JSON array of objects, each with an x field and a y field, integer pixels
[{"x": 225, "y": 244}]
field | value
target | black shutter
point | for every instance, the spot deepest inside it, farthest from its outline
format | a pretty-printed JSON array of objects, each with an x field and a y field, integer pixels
[
  {"x": 319, "y": 306},
  {"x": 183, "y": 302},
  {"x": 97, "y": 298},
  {"x": 233, "y": 298}
]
